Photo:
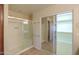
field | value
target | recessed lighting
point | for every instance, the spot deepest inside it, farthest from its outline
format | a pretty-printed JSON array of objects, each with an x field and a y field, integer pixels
[{"x": 26, "y": 22}]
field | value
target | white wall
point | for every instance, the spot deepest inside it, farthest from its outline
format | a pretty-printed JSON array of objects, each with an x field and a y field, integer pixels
[
  {"x": 5, "y": 26},
  {"x": 52, "y": 10},
  {"x": 44, "y": 30}
]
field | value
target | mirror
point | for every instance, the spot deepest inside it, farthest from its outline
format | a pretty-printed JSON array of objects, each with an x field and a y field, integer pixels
[
  {"x": 47, "y": 34},
  {"x": 64, "y": 33},
  {"x": 56, "y": 33}
]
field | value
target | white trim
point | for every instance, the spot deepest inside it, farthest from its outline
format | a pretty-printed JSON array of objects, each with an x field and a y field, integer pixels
[{"x": 24, "y": 50}]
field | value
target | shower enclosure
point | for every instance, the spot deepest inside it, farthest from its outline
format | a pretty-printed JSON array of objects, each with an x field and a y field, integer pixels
[{"x": 19, "y": 35}]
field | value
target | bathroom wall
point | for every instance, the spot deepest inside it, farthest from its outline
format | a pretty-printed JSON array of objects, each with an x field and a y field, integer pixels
[
  {"x": 44, "y": 30},
  {"x": 5, "y": 27},
  {"x": 52, "y": 10},
  {"x": 11, "y": 44}
]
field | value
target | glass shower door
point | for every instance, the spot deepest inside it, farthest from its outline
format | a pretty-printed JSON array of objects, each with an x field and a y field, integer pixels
[{"x": 27, "y": 33}]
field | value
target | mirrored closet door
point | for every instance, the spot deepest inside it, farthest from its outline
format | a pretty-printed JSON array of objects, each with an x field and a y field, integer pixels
[{"x": 56, "y": 33}]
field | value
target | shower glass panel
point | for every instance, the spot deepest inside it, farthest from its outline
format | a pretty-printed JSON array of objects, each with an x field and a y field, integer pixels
[
  {"x": 64, "y": 33},
  {"x": 27, "y": 32},
  {"x": 19, "y": 33}
]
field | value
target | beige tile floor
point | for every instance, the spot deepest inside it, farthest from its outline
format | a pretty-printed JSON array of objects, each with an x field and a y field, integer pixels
[
  {"x": 47, "y": 46},
  {"x": 34, "y": 51},
  {"x": 46, "y": 50}
]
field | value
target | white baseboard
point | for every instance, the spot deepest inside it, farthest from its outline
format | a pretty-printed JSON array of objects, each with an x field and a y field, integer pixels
[{"x": 24, "y": 50}]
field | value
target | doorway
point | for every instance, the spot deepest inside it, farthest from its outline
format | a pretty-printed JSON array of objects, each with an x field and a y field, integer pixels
[{"x": 46, "y": 41}]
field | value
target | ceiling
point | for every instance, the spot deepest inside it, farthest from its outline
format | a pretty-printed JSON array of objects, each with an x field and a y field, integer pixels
[{"x": 27, "y": 8}]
